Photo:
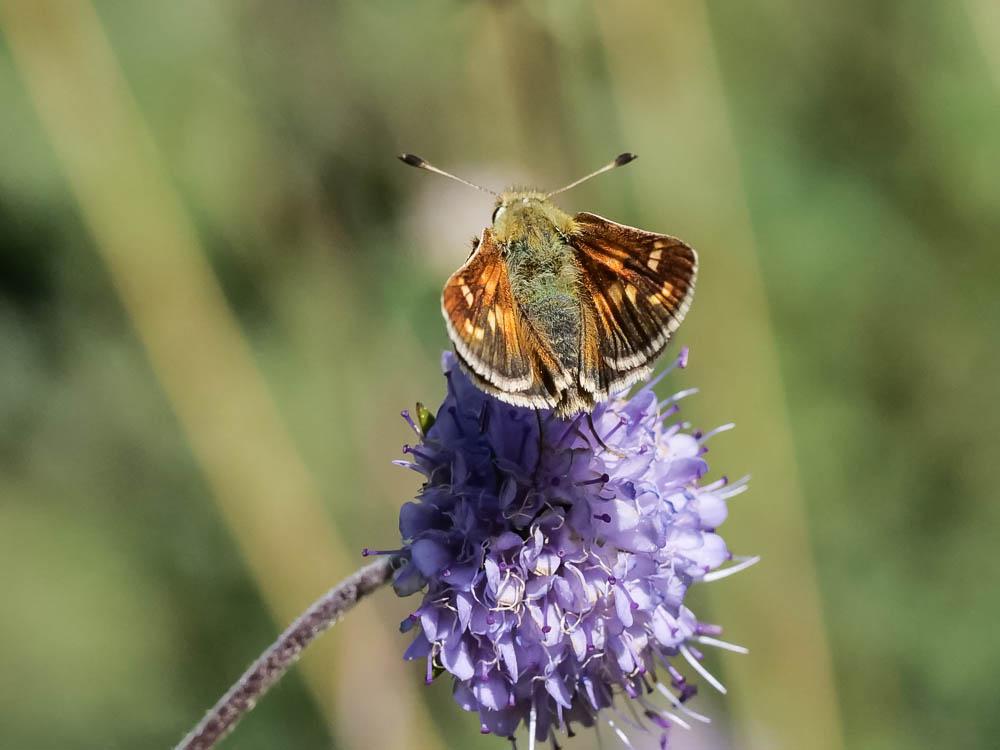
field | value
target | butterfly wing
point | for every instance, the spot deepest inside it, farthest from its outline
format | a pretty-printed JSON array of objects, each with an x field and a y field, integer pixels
[
  {"x": 638, "y": 287},
  {"x": 493, "y": 339}
]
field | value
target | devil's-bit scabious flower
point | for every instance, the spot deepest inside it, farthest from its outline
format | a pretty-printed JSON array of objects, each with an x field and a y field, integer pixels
[{"x": 556, "y": 567}]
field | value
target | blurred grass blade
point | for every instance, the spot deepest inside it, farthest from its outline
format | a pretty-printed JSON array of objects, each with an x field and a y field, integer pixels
[
  {"x": 674, "y": 113},
  {"x": 153, "y": 254},
  {"x": 985, "y": 18}
]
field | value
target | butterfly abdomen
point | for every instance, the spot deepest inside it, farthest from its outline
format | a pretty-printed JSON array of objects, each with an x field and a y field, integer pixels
[{"x": 546, "y": 283}]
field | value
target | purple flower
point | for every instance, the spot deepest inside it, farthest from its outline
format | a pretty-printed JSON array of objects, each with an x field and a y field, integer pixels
[{"x": 556, "y": 567}]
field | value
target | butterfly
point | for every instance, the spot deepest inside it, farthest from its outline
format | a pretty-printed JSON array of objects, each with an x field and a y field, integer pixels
[{"x": 553, "y": 311}]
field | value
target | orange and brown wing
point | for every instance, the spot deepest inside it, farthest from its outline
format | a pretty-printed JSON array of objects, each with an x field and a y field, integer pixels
[
  {"x": 492, "y": 338},
  {"x": 638, "y": 287}
]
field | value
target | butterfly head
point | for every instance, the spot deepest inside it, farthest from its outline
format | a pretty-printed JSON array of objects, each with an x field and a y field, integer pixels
[{"x": 521, "y": 212}]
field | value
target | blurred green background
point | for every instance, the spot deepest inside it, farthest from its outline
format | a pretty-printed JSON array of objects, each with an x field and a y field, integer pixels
[{"x": 218, "y": 288}]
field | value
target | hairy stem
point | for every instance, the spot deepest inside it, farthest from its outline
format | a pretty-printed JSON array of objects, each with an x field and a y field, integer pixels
[{"x": 283, "y": 653}]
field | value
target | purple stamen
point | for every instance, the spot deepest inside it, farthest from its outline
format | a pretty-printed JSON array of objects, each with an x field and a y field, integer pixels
[
  {"x": 405, "y": 414},
  {"x": 410, "y": 465},
  {"x": 571, "y": 430},
  {"x": 368, "y": 552},
  {"x": 667, "y": 413},
  {"x": 622, "y": 421},
  {"x": 677, "y": 397},
  {"x": 418, "y": 453},
  {"x": 658, "y": 719},
  {"x": 681, "y": 362}
]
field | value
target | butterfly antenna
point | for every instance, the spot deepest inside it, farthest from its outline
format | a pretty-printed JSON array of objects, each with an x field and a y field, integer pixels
[
  {"x": 619, "y": 161},
  {"x": 415, "y": 161}
]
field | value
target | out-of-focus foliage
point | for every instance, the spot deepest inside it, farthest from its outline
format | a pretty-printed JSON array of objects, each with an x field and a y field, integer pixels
[{"x": 865, "y": 139}]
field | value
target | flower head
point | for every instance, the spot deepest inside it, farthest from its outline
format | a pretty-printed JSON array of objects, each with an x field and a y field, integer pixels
[{"x": 556, "y": 560}]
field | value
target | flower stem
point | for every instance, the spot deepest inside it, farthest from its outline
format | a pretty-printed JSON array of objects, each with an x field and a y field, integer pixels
[{"x": 283, "y": 653}]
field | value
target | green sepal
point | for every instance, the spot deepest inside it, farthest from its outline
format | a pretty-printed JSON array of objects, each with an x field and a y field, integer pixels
[{"x": 424, "y": 418}]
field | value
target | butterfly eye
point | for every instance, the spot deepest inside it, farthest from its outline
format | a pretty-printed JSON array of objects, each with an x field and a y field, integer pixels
[{"x": 496, "y": 213}]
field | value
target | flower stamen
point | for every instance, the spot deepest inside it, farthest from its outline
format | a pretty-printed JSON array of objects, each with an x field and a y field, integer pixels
[
  {"x": 405, "y": 414},
  {"x": 367, "y": 552},
  {"x": 620, "y": 734},
  {"x": 700, "y": 669},
  {"x": 718, "y": 575},
  {"x": 724, "y": 645},
  {"x": 603, "y": 479}
]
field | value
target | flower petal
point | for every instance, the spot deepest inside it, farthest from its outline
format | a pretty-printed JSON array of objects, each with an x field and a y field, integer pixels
[
  {"x": 456, "y": 656},
  {"x": 429, "y": 556},
  {"x": 556, "y": 687},
  {"x": 492, "y": 693}
]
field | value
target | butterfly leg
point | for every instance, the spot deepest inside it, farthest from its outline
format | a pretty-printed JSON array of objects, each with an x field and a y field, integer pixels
[
  {"x": 541, "y": 442},
  {"x": 597, "y": 437}
]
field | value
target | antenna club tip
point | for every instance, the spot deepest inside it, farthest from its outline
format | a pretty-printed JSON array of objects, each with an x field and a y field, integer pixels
[
  {"x": 622, "y": 159},
  {"x": 412, "y": 159}
]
